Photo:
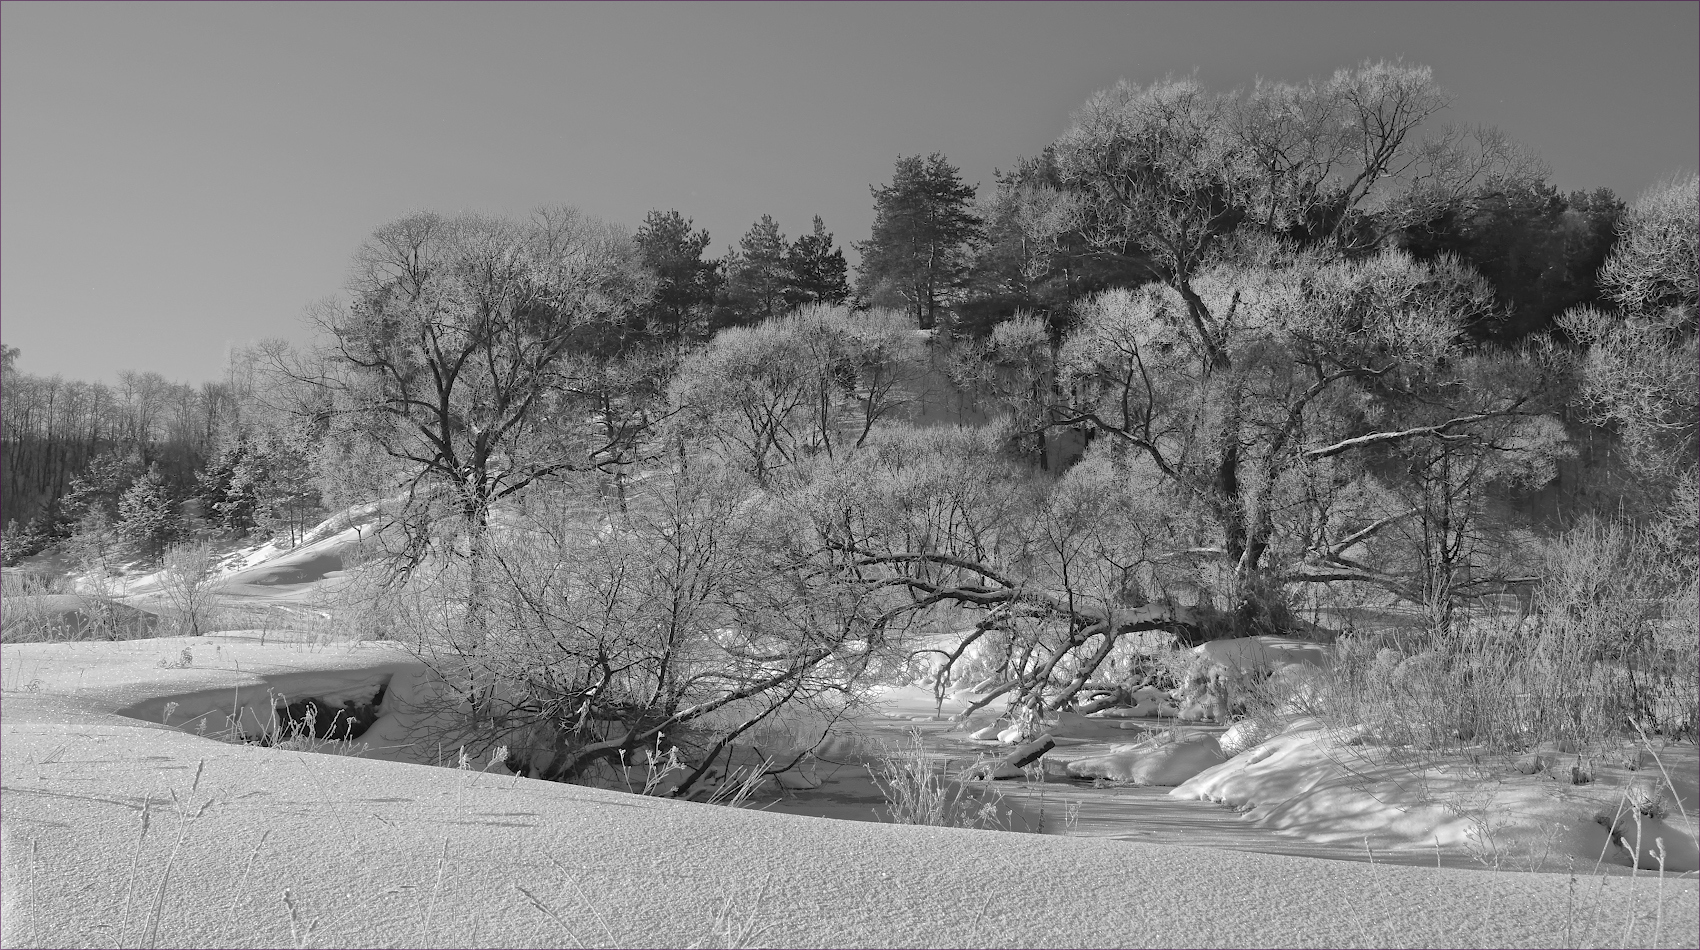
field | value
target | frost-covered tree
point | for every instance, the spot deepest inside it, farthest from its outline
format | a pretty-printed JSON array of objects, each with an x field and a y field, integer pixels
[
  {"x": 1175, "y": 172},
  {"x": 1641, "y": 366},
  {"x": 457, "y": 353},
  {"x": 1041, "y": 578},
  {"x": 1281, "y": 372},
  {"x": 669, "y": 631},
  {"x": 1013, "y": 371},
  {"x": 457, "y": 364},
  {"x": 1271, "y": 340},
  {"x": 148, "y": 519},
  {"x": 765, "y": 397}
]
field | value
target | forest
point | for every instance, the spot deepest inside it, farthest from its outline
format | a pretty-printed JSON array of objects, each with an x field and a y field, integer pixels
[{"x": 1235, "y": 362}]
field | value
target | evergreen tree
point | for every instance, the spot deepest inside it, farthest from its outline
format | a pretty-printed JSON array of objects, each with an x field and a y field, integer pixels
[
  {"x": 817, "y": 269},
  {"x": 1539, "y": 250},
  {"x": 277, "y": 473},
  {"x": 226, "y": 504},
  {"x": 21, "y": 541},
  {"x": 686, "y": 281},
  {"x": 919, "y": 253},
  {"x": 97, "y": 490},
  {"x": 757, "y": 276},
  {"x": 148, "y": 519}
]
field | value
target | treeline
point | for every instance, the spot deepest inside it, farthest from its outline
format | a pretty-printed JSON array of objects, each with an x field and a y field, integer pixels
[
  {"x": 213, "y": 459},
  {"x": 70, "y": 446},
  {"x": 127, "y": 470},
  {"x": 1049, "y": 233}
]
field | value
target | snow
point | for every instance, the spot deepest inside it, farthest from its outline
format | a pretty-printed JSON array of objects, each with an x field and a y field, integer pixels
[
  {"x": 1261, "y": 653},
  {"x": 1341, "y": 786},
  {"x": 1160, "y": 760},
  {"x": 1242, "y": 736},
  {"x": 249, "y": 846}
]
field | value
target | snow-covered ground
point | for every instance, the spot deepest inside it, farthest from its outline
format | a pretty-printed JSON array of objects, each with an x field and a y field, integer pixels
[
  {"x": 124, "y": 822},
  {"x": 247, "y": 846},
  {"x": 1307, "y": 791}
]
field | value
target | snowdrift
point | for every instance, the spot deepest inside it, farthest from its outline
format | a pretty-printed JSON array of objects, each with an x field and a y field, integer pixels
[{"x": 1342, "y": 786}]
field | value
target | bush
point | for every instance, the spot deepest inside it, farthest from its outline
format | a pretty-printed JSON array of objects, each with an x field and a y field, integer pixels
[
  {"x": 186, "y": 581},
  {"x": 1609, "y": 651},
  {"x": 1614, "y": 637}
]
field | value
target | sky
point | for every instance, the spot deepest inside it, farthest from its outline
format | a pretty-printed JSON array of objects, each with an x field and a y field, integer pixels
[{"x": 177, "y": 180}]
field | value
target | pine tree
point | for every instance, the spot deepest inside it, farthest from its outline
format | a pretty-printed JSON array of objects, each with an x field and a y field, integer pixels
[
  {"x": 817, "y": 269},
  {"x": 757, "y": 276},
  {"x": 279, "y": 475},
  {"x": 97, "y": 490},
  {"x": 919, "y": 253},
  {"x": 148, "y": 519},
  {"x": 227, "y": 504},
  {"x": 22, "y": 540},
  {"x": 687, "y": 282}
]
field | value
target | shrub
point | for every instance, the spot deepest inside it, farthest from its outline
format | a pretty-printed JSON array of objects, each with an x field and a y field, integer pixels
[
  {"x": 1609, "y": 650},
  {"x": 186, "y": 581},
  {"x": 1614, "y": 639}
]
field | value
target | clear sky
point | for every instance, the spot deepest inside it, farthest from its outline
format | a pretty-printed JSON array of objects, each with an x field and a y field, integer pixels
[{"x": 178, "y": 179}]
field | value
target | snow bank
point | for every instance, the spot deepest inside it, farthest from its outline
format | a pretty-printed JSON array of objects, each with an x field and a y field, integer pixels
[
  {"x": 1247, "y": 654},
  {"x": 1340, "y": 786},
  {"x": 1161, "y": 760}
]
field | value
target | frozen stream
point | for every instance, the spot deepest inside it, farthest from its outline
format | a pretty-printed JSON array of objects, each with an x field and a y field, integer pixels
[
  {"x": 1046, "y": 800},
  {"x": 1056, "y": 805}
]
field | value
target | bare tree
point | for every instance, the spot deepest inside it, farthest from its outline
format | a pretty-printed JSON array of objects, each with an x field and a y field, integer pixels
[{"x": 456, "y": 353}]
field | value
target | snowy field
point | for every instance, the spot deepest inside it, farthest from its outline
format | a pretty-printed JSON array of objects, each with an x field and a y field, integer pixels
[{"x": 126, "y": 823}]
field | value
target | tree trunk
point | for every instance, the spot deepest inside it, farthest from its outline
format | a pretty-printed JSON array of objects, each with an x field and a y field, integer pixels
[{"x": 476, "y": 510}]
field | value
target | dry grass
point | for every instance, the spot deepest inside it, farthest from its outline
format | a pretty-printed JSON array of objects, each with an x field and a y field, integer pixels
[
  {"x": 919, "y": 792},
  {"x": 39, "y": 608}
]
